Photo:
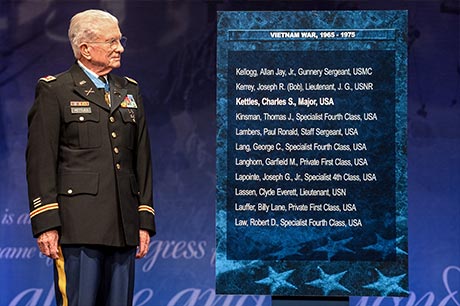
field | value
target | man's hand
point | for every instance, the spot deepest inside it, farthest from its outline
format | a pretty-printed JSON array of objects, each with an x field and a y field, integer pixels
[
  {"x": 144, "y": 241},
  {"x": 48, "y": 243}
]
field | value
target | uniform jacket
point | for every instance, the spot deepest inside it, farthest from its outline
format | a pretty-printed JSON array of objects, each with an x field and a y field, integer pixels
[{"x": 88, "y": 165}]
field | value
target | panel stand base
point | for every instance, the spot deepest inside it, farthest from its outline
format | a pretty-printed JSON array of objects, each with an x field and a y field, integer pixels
[{"x": 310, "y": 301}]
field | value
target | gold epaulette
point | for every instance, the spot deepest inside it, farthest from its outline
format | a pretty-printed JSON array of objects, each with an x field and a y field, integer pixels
[
  {"x": 131, "y": 80},
  {"x": 48, "y": 78}
]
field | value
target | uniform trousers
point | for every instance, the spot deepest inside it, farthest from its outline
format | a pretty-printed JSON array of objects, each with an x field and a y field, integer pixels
[{"x": 94, "y": 276}]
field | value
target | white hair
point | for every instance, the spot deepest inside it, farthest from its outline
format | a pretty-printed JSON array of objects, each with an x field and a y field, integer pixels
[{"x": 87, "y": 26}]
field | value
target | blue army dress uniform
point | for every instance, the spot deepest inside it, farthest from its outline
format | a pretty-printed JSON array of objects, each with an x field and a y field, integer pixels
[{"x": 88, "y": 163}]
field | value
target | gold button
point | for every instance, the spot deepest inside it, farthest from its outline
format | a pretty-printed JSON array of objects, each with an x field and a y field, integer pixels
[
  {"x": 118, "y": 166},
  {"x": 70, "y": 191},
  {"x": 116, "y": 150},
  {"x": 112, "y": 119},
  {"x": 81, "y": 118},
  {"x": 114, "y": 135}
]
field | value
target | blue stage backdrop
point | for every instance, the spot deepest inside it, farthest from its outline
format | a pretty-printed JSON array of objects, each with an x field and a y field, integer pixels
[{"x": 171, "y": 53}]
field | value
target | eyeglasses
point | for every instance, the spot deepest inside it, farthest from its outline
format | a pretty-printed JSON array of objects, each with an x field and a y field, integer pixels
[{"x": 113, "y": 43}]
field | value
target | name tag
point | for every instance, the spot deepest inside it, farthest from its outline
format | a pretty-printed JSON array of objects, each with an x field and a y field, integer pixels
[{"x": 80, "y": 110}]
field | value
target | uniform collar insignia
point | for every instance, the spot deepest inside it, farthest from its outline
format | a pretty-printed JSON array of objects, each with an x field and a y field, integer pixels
[{"x": 89, "y": 91}]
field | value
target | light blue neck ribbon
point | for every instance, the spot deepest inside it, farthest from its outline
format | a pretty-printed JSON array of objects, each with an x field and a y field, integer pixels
[{"x": 95, "y": 79}]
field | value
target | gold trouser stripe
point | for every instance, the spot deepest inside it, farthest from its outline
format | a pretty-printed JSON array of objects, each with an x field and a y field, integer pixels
[{"x": 62, "y": 282}]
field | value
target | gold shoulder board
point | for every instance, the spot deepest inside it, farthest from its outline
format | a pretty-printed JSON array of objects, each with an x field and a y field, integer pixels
[
  {"x": 131, "y": 80},
  {"x": 48, "y": 78}
]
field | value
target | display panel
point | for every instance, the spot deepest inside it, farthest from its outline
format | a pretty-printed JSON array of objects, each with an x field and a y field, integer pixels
[{"x": 311, "y": 153}]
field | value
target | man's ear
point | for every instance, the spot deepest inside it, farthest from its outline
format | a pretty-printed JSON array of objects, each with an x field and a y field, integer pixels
[{"x": 84, "y": 51}]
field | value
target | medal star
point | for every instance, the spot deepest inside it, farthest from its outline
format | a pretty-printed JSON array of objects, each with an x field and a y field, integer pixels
[
  {"x": 328, "y": 282},
  {"x": 333, "y": 247},
  {"x": 276, "y": 280},
  {"x": 386, "y": 285}
]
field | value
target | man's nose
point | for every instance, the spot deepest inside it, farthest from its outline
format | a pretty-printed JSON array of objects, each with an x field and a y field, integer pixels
[{"x": 119, "y": 47}]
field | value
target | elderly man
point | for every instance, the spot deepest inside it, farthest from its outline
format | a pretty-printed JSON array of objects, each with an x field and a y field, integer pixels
[{"x": 89, "y": 169}]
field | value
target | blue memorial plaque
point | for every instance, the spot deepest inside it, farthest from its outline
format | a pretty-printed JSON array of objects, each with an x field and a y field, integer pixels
[{"x": 311, "y": 153}]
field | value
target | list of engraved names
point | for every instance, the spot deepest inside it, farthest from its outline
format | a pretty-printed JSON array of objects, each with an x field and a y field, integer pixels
[{"x": 310, "y": 140}]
